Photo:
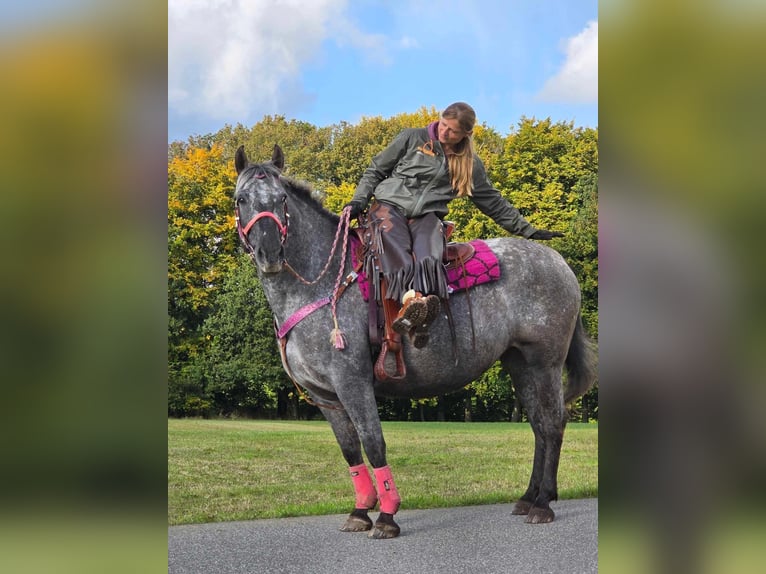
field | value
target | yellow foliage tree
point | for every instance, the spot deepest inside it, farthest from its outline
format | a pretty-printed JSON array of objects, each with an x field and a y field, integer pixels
[
  {"x": 202, "y": 240},
  {"x": 336, "y": 196}
]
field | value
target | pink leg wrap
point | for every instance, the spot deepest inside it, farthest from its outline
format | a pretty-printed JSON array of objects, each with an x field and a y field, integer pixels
[
  {"x": 389, "y": 496},
  {"x": 366, "y": 497}
]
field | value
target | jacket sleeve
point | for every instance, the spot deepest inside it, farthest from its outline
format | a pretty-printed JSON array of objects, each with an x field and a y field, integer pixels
[
  {"x": 491, "y": 203},
  {"x": 381, "y": 167}
]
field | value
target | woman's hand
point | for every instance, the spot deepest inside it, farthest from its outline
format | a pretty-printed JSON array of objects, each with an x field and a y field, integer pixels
[
  {"x": 356, "y": 206},
  {"x": 544, "y": 235}
]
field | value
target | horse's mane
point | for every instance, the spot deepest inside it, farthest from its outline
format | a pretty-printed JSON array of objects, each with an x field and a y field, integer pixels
[{"x": 304, "y": 191}]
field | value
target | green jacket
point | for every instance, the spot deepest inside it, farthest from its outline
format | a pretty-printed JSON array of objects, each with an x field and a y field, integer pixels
[{"x": 406, "y": 175}]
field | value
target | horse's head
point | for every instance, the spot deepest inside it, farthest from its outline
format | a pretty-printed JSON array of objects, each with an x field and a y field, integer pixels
[{"x": 260, "y": 202}]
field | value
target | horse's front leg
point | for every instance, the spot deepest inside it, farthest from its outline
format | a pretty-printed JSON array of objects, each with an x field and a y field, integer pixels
[
  {"x": 362, "y": 411},
  {"x": 350, "y": 446}
]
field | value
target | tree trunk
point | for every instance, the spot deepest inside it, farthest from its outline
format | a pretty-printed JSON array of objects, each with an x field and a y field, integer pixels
[
  {"x": 516, "y": 414},
  {"x": 467, "y": 414},
  {"x": 292, "y": 407}
]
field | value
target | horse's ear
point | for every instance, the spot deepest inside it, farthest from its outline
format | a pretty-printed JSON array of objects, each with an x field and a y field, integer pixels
[
  {"x": 278, "y": 158},
  {"x": 240, "y": 159}
]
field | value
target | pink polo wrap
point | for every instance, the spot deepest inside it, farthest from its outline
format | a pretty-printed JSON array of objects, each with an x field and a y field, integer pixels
[
  {"x": 366, "y": 497},
  {"x": 389, "y": 496}
]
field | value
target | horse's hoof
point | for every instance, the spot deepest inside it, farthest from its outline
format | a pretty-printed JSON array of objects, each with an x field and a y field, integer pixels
[
  {"x": 385, "y": 527},
  {"x": 538, "y": 515},
  {"x": 387, "y": 531},
  {"x": 522, "y": 507},
  {"x": 356, "y": 523}
]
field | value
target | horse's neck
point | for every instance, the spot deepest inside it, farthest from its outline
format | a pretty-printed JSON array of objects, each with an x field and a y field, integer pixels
[{"x": 309, "y": 242}]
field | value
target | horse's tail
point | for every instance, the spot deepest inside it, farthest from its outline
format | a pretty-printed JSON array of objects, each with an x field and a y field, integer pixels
[{"x": 580, "y": 363}]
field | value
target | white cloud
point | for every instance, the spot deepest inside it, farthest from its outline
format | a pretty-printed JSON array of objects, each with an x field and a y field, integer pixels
[
  {"x": 577, "y": 80},
  {"x": 240, "y": 58},
  {"x": 375, "y": 47}
]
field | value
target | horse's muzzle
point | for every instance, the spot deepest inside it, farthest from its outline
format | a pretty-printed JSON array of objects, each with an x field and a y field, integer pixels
[{"x": 271, "y": 262}]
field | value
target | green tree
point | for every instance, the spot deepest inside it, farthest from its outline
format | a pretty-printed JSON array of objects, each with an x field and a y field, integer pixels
[
  {"x": 239, "y": 366},
  {"x": 303, "y": 143},
  {"x": 580, "y": 248},
  {"x": 492, "y": 395}
]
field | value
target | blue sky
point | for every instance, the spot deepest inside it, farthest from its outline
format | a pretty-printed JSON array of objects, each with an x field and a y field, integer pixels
[{"x": 327, "y": 61}]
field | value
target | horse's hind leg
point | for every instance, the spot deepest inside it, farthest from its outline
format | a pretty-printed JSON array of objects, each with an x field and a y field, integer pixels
[
  {"x": 540, "y": 391},
  {"x": 350, "y": 446}
]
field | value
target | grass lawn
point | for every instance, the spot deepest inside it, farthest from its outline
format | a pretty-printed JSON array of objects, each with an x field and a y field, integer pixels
[{"x": 221, "y": 470}]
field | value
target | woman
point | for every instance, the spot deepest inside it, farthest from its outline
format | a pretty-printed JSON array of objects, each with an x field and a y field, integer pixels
[{"x": 413, "y": 180}]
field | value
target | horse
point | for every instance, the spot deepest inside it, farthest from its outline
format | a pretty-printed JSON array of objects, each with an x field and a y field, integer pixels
[{"x": 529, "y": 319}]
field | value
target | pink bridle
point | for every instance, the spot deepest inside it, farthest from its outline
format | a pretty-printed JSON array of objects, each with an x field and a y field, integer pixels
[
  {"x": 268, "y": 214},
  {"x": 243, "y": 231}
]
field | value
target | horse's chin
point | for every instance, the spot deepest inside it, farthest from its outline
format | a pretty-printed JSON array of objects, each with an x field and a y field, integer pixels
[{"x": 269, "y": 268}]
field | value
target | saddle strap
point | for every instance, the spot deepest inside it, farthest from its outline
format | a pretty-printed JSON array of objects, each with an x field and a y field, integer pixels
[
  {"x": 375, "y": 321},
  {"x": 461, "y": 262}
]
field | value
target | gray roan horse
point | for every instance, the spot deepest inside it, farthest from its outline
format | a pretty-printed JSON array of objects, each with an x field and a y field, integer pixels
[{"x": 529, "y": 319}]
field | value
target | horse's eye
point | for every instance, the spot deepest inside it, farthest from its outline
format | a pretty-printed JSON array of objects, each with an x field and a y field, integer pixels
[{"x": 240, "y": 200}]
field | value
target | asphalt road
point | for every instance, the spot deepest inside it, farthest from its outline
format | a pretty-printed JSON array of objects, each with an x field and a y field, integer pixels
[{"x": 472, "y": 539}]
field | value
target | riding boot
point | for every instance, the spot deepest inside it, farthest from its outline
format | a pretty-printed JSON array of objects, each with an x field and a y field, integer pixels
[
  {"x": 419, "y": 335},
  {"x": 413, "y": 313},
  {"x": 434, "y": 306}
]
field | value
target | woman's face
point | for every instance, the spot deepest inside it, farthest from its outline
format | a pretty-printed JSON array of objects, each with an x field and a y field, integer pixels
[{"x": 450, "y": 132}]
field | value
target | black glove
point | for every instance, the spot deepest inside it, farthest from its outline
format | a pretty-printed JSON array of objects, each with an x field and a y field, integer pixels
[
  {"x": 356, "y": 206},
  {"x": 544, "y": 235}
]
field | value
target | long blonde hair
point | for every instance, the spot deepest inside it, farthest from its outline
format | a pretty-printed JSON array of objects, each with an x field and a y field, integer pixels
[{"x": 461, "y": 161}]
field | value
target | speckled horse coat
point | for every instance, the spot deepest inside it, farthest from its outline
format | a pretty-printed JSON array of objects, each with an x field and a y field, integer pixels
[{"x": 529, "y": 319}]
